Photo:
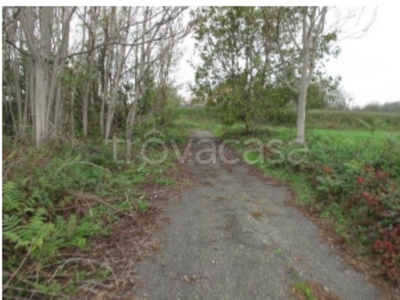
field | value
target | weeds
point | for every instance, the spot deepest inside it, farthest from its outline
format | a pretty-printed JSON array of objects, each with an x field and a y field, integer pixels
[
  {"x": 305, "y": 290},
  {"x": 54, "y": 200},
  {"x": 164, "y": 181}
]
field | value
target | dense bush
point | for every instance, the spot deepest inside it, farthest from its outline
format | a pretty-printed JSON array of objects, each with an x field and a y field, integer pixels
[{"x": 280, "y": 117}]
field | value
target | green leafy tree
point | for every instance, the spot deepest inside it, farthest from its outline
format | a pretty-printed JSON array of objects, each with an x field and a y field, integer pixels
[{"x": 233, "y": 77}]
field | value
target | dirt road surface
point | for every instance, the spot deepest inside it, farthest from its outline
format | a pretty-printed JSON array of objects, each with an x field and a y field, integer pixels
[{"x": 233, "y": 237}]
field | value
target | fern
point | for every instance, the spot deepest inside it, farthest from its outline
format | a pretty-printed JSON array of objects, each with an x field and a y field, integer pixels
[
  {"x": 11, "y": 226},
  {"x": 35, "y": 232},
  {"x": 12, "y": 196},
  {"x": 20, "y": 232}
]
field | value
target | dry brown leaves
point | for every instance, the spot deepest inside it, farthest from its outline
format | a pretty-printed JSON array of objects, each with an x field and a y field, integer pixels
[{"x": 131, "y": 240}]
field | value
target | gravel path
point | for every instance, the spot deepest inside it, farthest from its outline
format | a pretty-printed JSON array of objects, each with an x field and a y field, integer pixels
[{"x": 232, "y": 237}]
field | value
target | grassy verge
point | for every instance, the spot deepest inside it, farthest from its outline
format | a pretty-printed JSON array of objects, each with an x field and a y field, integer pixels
[{"x": 352, "y": 178}]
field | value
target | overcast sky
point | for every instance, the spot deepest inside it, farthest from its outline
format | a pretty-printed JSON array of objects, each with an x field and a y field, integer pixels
[{"x": 369, "y": 66}]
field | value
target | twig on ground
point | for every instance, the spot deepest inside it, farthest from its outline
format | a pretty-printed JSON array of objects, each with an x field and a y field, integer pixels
[
  {"x": 35, "y": 291},
  {"x": 19, "y": 267},
  {"x": 80, "y": 162},
  {"x": 101, "y": 201}
]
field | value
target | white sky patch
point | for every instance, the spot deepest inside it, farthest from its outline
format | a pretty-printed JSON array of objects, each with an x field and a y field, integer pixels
[
  {"x": 370, "y": 66},
  {"x": 185, "y": 71}
]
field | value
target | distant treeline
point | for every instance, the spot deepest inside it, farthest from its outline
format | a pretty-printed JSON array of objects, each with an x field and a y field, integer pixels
[
  {"x": 393, "y": 107},
  {"x": 359, "y": 120}
]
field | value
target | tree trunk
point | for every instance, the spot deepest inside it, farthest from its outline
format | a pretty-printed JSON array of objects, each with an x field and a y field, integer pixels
[
  {"x": 84, "y": 100},
  {"x": 120, "y": 58},
  {"x": 27, "y": 93},
  {"x": 301, "y": 113},
  {"x": 114, "y": 93},
  {"x": 40, "y": 102},
  {"x": 18, "y": 90},
  {"x": 54, "y": 80},
  {"x": 85, "y": 106},
  {"x": 32, "y": 94},
  {"x": 58, "y": 107},
  {"x": 108, "y": 58},
  {"x": 72, "y": 116},
  {"x": 305, "y": 74},
  {"x": 302, "y": 99},
  {"x": 86, "y": 94},
  {"x": 130, "y": 120},
  {"x": 105, "y": 90},
  {"x": 63, "y": 50},
  {"x": 41, "y": 71}
]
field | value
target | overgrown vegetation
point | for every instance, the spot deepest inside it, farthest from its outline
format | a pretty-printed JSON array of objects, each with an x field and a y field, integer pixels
[
  {"x": 70, "y": 96},
  {"x": 55, "y": 198},
  {"x": 70, "y": 91},
  {"x": 352, "y": 177}
]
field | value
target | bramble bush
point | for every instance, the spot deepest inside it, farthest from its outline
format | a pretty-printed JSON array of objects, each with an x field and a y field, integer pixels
[{"x": 362, "y": 183}]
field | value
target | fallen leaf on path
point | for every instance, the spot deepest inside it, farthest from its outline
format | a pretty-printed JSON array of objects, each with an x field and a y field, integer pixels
[
  {"x": 256, "y": 214},
  {"x": 297, "y": 258},
  {"x": 189, "y": 279}
]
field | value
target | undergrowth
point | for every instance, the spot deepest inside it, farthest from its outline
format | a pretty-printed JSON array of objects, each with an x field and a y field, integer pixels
[{"x": 55, "y": 199}]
